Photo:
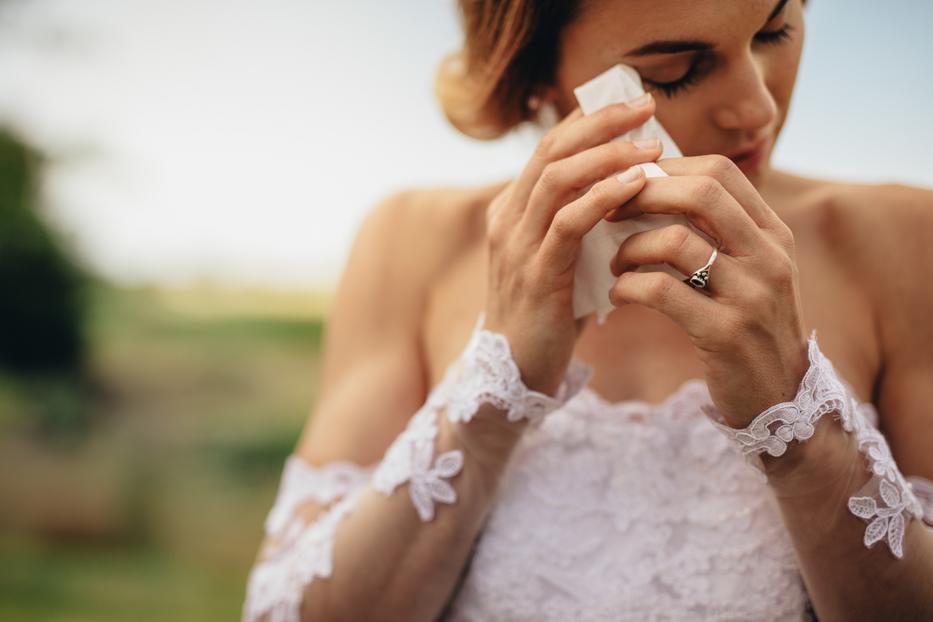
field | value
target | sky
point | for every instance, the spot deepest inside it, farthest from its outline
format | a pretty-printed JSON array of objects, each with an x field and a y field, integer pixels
[{"x": 242, "y": 142}]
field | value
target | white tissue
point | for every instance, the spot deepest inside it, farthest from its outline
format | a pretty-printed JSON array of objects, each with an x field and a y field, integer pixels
[{"x": 593, "y": 278}]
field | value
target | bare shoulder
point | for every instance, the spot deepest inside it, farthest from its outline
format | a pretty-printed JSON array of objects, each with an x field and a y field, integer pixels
[
  {"x": 434, "y": 225},
  {"x": 879, "y": 236},
  {"x": 373, "y": 374},
  {"x": 878, "y": 233},
  {"x": 413, "y": 234}
]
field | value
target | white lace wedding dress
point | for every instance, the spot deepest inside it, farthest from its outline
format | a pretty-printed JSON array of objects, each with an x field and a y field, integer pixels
[
  {"x": 631, "y": 511},
  {"x": 620, "y": 511}
]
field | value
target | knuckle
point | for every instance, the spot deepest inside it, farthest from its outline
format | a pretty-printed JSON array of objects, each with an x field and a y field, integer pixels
[
  {"x": 735, "y": 325},
  {"x": 706, "y": 191},
  {"x": 547, "y": 146},
  {"x": 495, "y": 228},
  {"x": 676, "y": 238},
  {"x": 495, "y": 236},
  {"x": 598, "y": 194},
  {"x": 562, "y": 227},
  {"x": 784, "y": 270},
  {"x": 549, "y": 180},
  {"x": 657, "y": 286},
  {"x": 786, "y": 237},
  {"x": 718, "y": 165},
  {"x": 534, "y": 271}
]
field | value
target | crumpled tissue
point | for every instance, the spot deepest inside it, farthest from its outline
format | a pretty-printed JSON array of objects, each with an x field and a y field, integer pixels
[{"x": 593, "y": 279}]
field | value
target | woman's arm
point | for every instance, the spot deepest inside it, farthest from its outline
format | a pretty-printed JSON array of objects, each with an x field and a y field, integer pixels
[
  {"x": 379, "y": 553},
  {"x": 814, "y": 480},
  {"x": 812, "y": 483},
  {"x": 389, "y": 540}
]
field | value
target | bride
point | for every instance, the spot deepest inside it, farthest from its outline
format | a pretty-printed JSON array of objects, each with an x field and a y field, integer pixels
[{"x": 753, "y": 445}]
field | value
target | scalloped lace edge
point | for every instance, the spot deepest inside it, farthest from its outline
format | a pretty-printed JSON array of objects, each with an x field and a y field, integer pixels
[
  {"x": 485, "y": 372},
  {"x": 887, "y": 501}
]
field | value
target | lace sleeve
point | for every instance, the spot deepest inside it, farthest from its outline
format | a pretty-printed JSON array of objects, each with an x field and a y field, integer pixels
[
  {"x": 923, "y": 489},
  {"x": 886, "y": 501},
  {"x": 301, "y": 550}
]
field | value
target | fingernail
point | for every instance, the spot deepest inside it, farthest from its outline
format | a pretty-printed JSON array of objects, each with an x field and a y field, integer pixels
[
  {"x": 647, "y": 143},
  {"x": 641, "y": 101},
  {"x": 630, "y": 174}
]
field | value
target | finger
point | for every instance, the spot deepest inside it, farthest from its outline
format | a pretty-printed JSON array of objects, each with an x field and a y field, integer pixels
[
  {"x": 692, "y": 310},
  {"x": 573, "y": 221},
  {"x": 706, "y": 204},
  {"x": 565, "y": 180},
  {"x": 732, "y": 179},
  {"x": 678, "y": 246},
  {"x": 577, "y": 132},
  {"x": 520, "y": 186}
]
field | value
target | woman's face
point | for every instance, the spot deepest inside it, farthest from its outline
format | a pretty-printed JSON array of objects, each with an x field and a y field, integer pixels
[{"x": 722, "y": 71}]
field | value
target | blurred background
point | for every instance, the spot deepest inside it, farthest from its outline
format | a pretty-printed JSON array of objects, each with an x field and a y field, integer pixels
[{"x": 180, "y": 183}]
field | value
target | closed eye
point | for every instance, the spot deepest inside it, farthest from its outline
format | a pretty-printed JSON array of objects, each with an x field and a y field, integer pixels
[{"x": 698, "y": 67}]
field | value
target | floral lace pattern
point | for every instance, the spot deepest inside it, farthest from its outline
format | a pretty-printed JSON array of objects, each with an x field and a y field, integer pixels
[
  {"x": 485, "y": 372},
  {"x": 302, "y": 481},
  {"x": 409, "y": 459},
  {"x": 300, "y": 550},
  {"x": 631, "y": 511},
  {"x": 606, "y": 511},
  {"x": 923, "y": 490},
  {"x": 886, "y": 501},
  {"x": 488, "y": 373}
]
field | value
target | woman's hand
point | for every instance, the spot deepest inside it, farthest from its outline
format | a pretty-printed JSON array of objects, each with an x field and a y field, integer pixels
[
  {"x": 535, "y": 225},
  {"x": 746, "y": 324}
]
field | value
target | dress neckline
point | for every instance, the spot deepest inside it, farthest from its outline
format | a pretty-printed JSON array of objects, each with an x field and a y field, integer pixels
[{"x": 639, "y": 407}]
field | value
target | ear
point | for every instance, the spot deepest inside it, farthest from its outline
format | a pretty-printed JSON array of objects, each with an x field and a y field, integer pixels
[
  {"x": 553, "y": 96},
  {"x": 548, "y": 94}
]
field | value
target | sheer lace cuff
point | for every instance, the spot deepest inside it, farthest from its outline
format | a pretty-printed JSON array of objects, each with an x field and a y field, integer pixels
[
  {"x": 887, "y": 501},
  {"x": 484, "y": 373},
  {"x": 487, "y": 372},
  {"x": 301, "y": 550},
  {"x": 923, "y": 490}
]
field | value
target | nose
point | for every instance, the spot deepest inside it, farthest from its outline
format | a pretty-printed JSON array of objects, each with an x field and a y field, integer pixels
[{"x": 746, "y": 103}]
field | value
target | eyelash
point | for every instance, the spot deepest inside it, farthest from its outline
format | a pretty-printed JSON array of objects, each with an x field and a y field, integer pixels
[{"x": 775, "y": 37}]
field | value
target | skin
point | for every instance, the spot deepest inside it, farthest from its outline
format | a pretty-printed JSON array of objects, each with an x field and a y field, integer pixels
[
  {"x": 791, "y": 247},
  {"x": 797, "y": 254},
  {"x": 744, "y": 96}
]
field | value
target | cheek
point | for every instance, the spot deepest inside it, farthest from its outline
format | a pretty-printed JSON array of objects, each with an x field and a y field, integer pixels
[
  {"x": 782, "y": 71},
  {"x": 782, "y": 77},
  {"x": 783, "y": 65},
  {"x": 685, "y": 119}
]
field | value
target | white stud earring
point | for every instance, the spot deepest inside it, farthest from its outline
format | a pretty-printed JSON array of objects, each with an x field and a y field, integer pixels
[
  {"x": 547, "y": 116},
  {"x": 545, "y": 113}
]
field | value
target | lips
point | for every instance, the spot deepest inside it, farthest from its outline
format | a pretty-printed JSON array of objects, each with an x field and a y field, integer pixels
[
  {"x": 748, "y": 151},
  {"x": 749, "y": 158}
]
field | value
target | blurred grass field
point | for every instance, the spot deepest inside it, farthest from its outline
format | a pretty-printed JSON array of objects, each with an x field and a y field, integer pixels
[{"x": 139, "y": 492}]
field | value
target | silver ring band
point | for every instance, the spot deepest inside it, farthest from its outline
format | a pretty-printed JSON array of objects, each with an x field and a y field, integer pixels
[{"x": 700, "y": 278}]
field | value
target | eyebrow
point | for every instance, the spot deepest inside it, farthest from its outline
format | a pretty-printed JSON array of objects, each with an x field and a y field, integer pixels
[{"x": 676, "y": 46}]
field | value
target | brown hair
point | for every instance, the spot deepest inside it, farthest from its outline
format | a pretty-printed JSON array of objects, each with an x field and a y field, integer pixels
[{"x": 510, "y": 49}]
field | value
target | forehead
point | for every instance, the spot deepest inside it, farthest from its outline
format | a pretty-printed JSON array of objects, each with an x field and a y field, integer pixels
[{"x": 617, "y": 26}]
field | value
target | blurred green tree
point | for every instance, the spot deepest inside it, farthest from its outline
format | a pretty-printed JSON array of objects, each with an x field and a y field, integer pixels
[
  {"x": 41, "y": 297},
  {"x": 42, "y": 303}
]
